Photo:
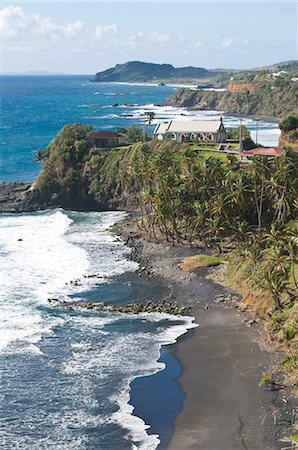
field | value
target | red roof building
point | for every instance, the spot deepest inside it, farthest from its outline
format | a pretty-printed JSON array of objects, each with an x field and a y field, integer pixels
[{"x": 262, "y": 151}]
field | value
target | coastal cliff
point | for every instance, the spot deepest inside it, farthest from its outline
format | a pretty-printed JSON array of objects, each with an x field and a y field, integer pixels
[
  {"x": 275, "y": 98},
  {"x": 18, "y": 197}
]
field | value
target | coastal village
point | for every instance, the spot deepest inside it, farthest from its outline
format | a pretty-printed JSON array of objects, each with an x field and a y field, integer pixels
[{"x": 202, "y": 136}]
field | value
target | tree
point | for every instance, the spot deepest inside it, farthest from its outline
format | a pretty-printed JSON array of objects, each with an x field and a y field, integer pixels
[
  {"x": 150, "y": 116},
  {"x": 289, "y": 123},
  {"x": 135, "y": 134},
  {"x": 234, "y": 133}
]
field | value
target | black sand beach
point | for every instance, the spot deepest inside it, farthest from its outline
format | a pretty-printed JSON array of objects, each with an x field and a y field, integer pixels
[{"x": 222, "y": 362}]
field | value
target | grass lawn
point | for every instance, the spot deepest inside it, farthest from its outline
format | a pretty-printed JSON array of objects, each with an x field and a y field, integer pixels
[{"x": 199, "y": 261}]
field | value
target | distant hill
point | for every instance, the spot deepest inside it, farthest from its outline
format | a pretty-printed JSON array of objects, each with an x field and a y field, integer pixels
[
  {"x": 285, "y": 65},
  {"x": 137, "y": 71}
]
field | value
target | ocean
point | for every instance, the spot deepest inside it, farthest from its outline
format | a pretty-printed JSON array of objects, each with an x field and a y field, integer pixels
[
  {"x": 72, "y": 379},
  {"x": 34, "y": 109}
]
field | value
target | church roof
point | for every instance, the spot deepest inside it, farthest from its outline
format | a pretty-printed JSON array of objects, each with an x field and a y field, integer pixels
[{"x": 188, "y": 126}]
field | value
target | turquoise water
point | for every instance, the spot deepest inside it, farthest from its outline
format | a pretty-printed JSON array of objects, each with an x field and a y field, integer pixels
[
  {"x": 34, "y": 109},
  {"x": 72, "y": 380}
]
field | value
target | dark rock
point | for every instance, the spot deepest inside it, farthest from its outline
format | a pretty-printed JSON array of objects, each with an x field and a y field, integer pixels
[{"x": 250, "y": 322}]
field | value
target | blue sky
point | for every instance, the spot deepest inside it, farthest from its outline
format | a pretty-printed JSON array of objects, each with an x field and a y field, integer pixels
[{"x": 77, "y": 37}]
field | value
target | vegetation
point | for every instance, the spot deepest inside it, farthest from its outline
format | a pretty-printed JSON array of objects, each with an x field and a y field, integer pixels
[
  {"x": 289, "y": 129},
  {"x": 269, "y": 97},
  {"x": 134, "y": 133},
  {"x": 199, "y": 261},
  {"x": 192, "y": 197},
  {"x": 289, "y": 123},
  {"x": 240, "y": 132},
  {"x": 62, "y": 165},
  {"x": 136, "y": 71}
]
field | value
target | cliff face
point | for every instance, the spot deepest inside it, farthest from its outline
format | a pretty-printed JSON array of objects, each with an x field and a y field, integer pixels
[
  {"x": 241, "y": 86},
  {"x": 268, "y": 99},
  {"x": 195, "y": 99}
]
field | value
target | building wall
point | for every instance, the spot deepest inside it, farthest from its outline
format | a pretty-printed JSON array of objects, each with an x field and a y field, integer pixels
[{"x": 220, "y": 136}]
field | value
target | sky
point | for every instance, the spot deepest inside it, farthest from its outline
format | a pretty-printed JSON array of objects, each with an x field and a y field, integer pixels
[{"x": 87, "y": 37}]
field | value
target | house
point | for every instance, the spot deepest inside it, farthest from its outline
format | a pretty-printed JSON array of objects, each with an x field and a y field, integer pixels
[
  {"x": 274, "y": 75},
  {"x": 191, "y": 130},
  {"x": 247, "y": 155},
  {"x": 107, "y": 139}
]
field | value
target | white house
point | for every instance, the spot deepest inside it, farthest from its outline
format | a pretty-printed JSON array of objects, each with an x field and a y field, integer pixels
[{"x": 191, "y": 130}]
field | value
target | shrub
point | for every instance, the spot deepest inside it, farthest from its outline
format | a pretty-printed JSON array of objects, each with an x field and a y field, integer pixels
[{"x": 289, "y": 123}]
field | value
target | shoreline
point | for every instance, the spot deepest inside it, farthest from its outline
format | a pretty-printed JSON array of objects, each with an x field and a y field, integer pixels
[
  {"x": 219, "y": 376},
  {"x": 268, "y": 119},
  {"x": 144, "y": 83},
  {"x": 221, "y": 362}
]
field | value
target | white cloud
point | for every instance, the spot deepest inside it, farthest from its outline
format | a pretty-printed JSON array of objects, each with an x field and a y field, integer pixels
[
  {"x": 155, "y": 37},
  {"x": 105, "y": 30},
  {"x": 16, "y": 25},
  {"x": 227, "y": 42},
  {"x": 198, "y": 44}
]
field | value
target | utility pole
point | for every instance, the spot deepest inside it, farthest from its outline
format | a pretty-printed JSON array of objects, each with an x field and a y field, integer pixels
[
  {"x": 240, "y": 136},
  {"x": 257, "y": 130},
  {"x": 144, "y": 133}
]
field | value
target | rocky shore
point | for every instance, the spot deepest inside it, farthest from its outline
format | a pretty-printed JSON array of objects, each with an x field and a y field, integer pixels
[
  {"x": 18, "y": 197},
  {"x": 222, "y": 360}
]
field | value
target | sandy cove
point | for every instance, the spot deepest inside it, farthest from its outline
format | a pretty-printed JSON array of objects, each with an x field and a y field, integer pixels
[{"x": 222, "y": 361}]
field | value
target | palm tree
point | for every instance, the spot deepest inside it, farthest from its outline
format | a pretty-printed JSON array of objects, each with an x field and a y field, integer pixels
[
  {"x": 260, "y": 172},
  {"x": 277, "y": 284},
  {"x": 150, "y": 116}
]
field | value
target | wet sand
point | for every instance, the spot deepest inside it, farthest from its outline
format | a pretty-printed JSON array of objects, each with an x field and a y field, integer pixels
[
  {"x": 222, "y": 361},
  {"x": 224, "y": 408}
]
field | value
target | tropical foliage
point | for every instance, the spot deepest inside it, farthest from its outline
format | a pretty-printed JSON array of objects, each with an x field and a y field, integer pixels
[
  {"x": 134, "y": 133},
  {"x": 289, "y": 128},
  {"x": 269, "y": 98},
  {"x": 197, "y": 199}
]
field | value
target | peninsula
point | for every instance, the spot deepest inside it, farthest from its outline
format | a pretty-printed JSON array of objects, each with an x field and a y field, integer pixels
[{"x": 138, "y": 71}]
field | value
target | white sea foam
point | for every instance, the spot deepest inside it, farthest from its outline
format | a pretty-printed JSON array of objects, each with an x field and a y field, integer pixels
[
  {"x": 137, "y": 428},
  {"x": 268, "y": 132},
  {"x": 38, "y": 262},
  {"x": 108, "y": 116},
  {"x": 126, "y": 357},
  {"x": 108, "y": 347}
]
